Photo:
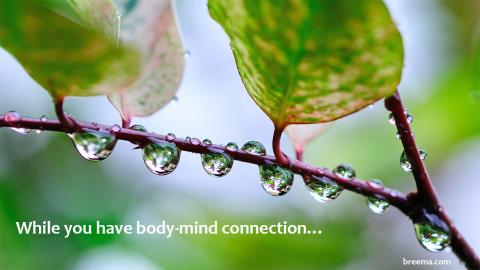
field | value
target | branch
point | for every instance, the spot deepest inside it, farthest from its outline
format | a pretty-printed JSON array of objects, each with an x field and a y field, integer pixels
[
  {"x": 426, "y": 194},
  {"x": 394, "y": 197}
]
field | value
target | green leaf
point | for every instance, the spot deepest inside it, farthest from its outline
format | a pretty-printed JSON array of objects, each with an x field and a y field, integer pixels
[
  {"x": 55, "y": 43},
  {"x": 315, "y": 60},
  {"x": 150, "y": 26}
]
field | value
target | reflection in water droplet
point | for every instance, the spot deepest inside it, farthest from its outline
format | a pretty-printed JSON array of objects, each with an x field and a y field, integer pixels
[
  {"x": 207, "y": 142},
  {"x": 377, "y": 205},
  {"x": 115, "y": 128},
  {"x": 12, "y": 118},
  {"x": 231, "y": 146},
  {"x": 432, "y": 232},
  {"x": 93, "y": 145},
  {"x": 255, "y": 148},
  {"x": 391, "y": 119},
  {"x": 162, "y": 157},
  {"x": 195, "y": 141},
  {"x": 406, "y": 166},
  {"x": 187, "y": 54},
  {"x": 138, "y": 128},
  {"x": 43, "y": 118},
  {"x": 275, "y": 179},
  {"x": 344, "y": 170},
  {"x": 322, "y": 189},
  {"x": 171, "y": 136},
  {"x": 217, "y": 164},
  {"x": 375, "y": 183}
]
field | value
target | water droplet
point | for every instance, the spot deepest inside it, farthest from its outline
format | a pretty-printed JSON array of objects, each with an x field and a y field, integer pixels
[
  {"x": 195, "y": 141},
  {"x": 138, "y": 128},
  {"x": 231, "y": 146},
  {"x": 21, "y": 130},
  {"x": 406, "y": 166},
  {"x": 254, "y": 148},
  {"x": 95, "y": 123},
  {"x": 322, "y": 189},
  {"x": 43, "y": 118},
  {"x": 409, "y": 117},
  {"x": 398, "y": 136},
  {"x": 207, "y": 142},
  {"x": 188, "y": 139},
  {"x": 391, "y": 119},
  {"x": 344, "y": 170},
  {"x": 171, "y": 136},
  {"x": 93, "y": 145},
  {"x": 162, "y": 157},
  {"x": 12, "y": 118},
  {"x": 275, "y": 179},
  {"x": 375, "y": 204},
  {"x": 115, "y": 128},
  {"x": 187, "y": 54},
  {"x": 375, "y": 183},
  {"x": 217, "y": 164},
  {"x": 432, "y": 232}
]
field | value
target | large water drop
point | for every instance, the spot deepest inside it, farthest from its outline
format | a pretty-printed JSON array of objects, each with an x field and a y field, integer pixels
[
  {"x": 254, "y": 148},
  {"x": 217, "y": 164},
  {"x": 275, "y": 179},
  {"x": 93, "y": 145},
  {"x": 344, "y": 170},
  {"x": 162, "y": 157},
  {"x": 322, "y": 189}
]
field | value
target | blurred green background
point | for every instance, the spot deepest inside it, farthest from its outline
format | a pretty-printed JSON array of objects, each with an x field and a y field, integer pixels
[{"x": 43, "y": 178}]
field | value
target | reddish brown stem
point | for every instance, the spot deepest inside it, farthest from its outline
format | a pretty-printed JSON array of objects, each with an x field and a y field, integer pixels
[
  {"x": 396, "y": 198},
  {"x": 277, "y": 151},
  {"x": 126, "y": 122},
  {"x": 62, "y": 117},
  {"x": 426, "y": 195}
]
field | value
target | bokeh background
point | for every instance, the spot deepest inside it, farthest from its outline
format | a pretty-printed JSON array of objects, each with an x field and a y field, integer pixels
[{"x": 42, "y": 177}]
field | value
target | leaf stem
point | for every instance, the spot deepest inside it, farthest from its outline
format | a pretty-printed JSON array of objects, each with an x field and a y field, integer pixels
[
  {"x": 426, "y": 194},
  {"x": 64, "y": 119},
  {"x": 277, "y": 151}
]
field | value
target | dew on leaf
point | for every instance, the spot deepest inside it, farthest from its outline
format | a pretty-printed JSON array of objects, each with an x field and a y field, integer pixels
[
  {"x": 275, "y": 179},
  {"x": 207, "y": 142}
]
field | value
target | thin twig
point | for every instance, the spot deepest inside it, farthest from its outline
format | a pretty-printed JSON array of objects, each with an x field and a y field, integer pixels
[
  {"x": 362, "y": 187},
  {"x": 426, "y": 195}
]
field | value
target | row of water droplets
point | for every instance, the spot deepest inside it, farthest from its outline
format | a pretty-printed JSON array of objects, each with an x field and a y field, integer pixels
[
  {"x": 432, "y": 233},
  {"x": 161, "y": 157}
]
